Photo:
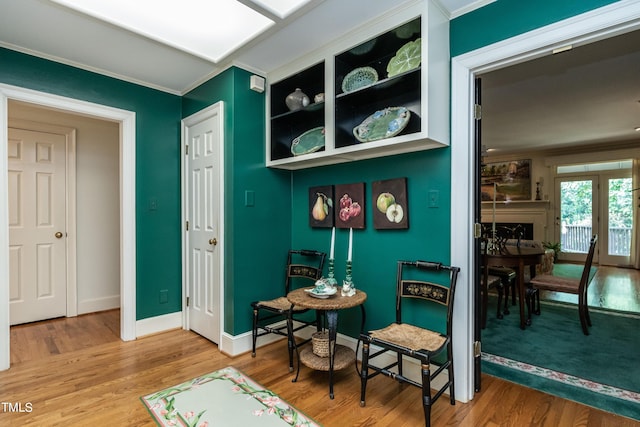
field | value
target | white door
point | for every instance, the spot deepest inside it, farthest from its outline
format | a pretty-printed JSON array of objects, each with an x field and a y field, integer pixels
[
  {"x": 37, "y": 234},
  {"x": 203, "y": 134}
]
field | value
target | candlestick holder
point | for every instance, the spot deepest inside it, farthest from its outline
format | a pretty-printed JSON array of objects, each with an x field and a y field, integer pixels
[
  {"x": 348, "y": 287},
  {"x": 331, "y": 280}
]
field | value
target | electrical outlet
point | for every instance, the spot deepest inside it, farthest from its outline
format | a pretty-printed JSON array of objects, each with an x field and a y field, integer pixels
[
  {"x": 164, "y": 296},
  {"x": 434, "y": 198}
]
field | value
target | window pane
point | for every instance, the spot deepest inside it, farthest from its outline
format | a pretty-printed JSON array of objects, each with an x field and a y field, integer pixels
[
  {"x": 576, "y": 214},
  {"x": 620, "y": 216}
]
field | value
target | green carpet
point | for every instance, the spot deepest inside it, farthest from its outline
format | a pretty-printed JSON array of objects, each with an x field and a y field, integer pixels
[
  {"x": 223, "y": 398},
  {"x": 554, "y": 356}
]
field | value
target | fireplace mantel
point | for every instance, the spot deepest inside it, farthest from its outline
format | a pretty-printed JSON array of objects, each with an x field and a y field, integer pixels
[{"x": 533, "y": 215}]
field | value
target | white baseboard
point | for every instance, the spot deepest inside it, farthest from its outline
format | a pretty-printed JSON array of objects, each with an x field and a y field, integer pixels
[
  {"x": 98, "y": 304},
  {"x": 154, "y": 325}
]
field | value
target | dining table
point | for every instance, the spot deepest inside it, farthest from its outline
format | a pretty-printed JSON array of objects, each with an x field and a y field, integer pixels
[
  {"x": 339, "y": 356},
  {"x": 517, "y": 258}
]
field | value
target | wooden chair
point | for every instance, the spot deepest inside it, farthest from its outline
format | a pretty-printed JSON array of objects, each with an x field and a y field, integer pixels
[
  {"x": 434, "y": 285},
  {"x": 488, "y": 281},
  {"x": 577, "y": 286},
  {"x": 507, "y": 275},
  {"x": 303, "y": 268}
]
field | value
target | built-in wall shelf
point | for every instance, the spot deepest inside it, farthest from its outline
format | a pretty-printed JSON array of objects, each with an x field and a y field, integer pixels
[{"x": 358, "y": 83}]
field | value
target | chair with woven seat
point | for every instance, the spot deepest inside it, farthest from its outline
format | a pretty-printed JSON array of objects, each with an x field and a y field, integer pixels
[
  {"x": 489, "y": 281},
  {"x": 303, "y": 268},
  {"x": 423, "y": 290},
  {"x": 571, "y": 285}
]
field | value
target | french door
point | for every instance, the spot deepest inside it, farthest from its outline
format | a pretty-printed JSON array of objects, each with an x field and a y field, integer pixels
[{"x": 595, "y": 204}]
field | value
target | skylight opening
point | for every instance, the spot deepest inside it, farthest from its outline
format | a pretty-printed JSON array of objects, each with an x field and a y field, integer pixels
[
  {"x": 205, "y": 28},
  {"x": 281, "y": 8}
]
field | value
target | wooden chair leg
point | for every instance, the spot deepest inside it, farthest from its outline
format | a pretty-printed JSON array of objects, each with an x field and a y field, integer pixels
[
  {"x": 583, "y": 311},
  {"x": 500, "y": 294},
  {"x": 506, "y": 285},
  {"x": 364, "y": 372},
  {"x": 426, "y": 393},
  {"x": 254, "y": 332}
]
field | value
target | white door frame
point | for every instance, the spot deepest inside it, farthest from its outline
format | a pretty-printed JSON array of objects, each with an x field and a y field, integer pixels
[
  {"x": 212, "y": 110},
  {"x": 127, "y": 120},
  {"x": 605, "y": 22}
]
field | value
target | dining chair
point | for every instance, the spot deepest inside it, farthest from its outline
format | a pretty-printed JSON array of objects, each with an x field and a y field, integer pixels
[
  {"x": 571, "y": 285},
  {"x": 424, "y": 292},
  {"x": 487, "y": 282},
  {"x": 303, "y": 268}
]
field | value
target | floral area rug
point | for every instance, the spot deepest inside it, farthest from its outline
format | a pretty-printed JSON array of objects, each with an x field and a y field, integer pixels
[{"x": 224, "y": 398}]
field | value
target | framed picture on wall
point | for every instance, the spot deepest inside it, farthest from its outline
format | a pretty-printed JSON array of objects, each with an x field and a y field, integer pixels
[
  {"x": 321, "y": 206},
  {"x": 390, "y": 204},
  {"x": 506, "y": 181},
  {"x": 349, "y": 206}
]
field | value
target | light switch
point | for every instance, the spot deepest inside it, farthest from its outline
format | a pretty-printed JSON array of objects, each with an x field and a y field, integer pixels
[
  {"x": 434, "y": 198},
  {"x": 249, "y": 198}
]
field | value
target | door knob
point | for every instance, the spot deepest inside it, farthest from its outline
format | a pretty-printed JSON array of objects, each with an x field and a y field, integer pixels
[
  {"x": 213, "y": 241},
  {"x": 58, "y": 235}
]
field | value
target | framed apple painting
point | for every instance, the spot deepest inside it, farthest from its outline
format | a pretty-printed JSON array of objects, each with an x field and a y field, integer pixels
[
  {"x": 390, "y": 204},
  {"x": 349, "y": 205}
]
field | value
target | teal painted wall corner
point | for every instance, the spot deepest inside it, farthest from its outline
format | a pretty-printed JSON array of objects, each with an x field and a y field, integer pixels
[
  {"x": 376, "y": 252},
  {"x": 257, "y": 199}
]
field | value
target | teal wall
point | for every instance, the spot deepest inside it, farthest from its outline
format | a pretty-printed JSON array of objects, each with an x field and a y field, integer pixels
[
  {"x": 158, "y": 249},
  {"x": 256, "y": 237},
  {"x": 508, "y": 18},
  {"x": 375, "y": 252}
]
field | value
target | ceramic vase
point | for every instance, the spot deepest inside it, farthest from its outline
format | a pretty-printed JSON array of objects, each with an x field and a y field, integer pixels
[{"x": 296, "y": 100}]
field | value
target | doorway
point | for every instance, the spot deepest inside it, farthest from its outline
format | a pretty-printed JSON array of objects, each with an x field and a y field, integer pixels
[
  {"x": 90, "y": 218},
  {"x": 127, "y": 148},
  {"x": 589, "y": 27}
]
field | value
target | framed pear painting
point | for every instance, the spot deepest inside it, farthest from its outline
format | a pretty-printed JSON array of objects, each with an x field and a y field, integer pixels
[
  {"x": 390, "y": 204},
  {"x": 321, "y": 206}
]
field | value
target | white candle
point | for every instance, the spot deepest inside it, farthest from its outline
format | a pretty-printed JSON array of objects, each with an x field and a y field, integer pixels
[
  {"x": 333, "y": 242},
  {"x": 493, "y": 227},
  {"x": 350, "y": 244}
]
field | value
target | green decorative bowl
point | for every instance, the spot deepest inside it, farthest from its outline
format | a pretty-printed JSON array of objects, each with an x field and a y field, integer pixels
[
  {"x": 309, "y": 142},
  {"x": 382, "y": 124},
  {"x": 407, "y": 58},
  {"x": 359, "y": 78}
]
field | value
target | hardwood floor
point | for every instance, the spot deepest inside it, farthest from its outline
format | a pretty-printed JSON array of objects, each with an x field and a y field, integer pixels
[
  {"x": 77, "y": 372},
  {"x": 612, "y": 288}
]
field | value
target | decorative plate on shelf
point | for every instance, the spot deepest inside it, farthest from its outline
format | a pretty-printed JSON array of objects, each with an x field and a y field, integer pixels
[
  {"x": 359, "y": 78},
  {"x": 407, "y": 58},
  {"x": 382, "y": 124},
  {"x": 309, "y": 142}
]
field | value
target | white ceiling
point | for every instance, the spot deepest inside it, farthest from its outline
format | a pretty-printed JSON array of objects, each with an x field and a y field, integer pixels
[
  {"x": 589, "y": 94},
  {"x": 50, "y": 30}
]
